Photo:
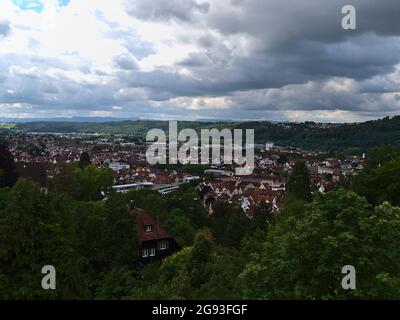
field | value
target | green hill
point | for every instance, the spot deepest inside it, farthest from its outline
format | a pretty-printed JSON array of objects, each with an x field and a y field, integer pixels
[{"x": 330, "y": 137}]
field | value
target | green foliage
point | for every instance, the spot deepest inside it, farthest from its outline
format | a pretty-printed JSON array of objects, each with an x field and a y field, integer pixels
[
  {"x": 93, "y": 182},
  {"x": 262, "y": 217},
  {"x": 31, "y": 236},
  {"x": 299, "y": 183},
  {"x": 86, "y": 184},
  {"x": 87, "y": 242},
  {"x": 8, "y": 174},
  {"x": 229, "y": 225},
  {"x": 252, "y": 244},
  {"x": 178, "y": 224},
  {"x": 120, "y": 239},
  {"x": 302, "y": 257},
  {"x": 84, "y": 160},
  {"x": 223, "y": 282},
  {"x": 152, "y": 285},
  {"x": 380, "y": 184},
  {"x": 380, "y": 156},
  {"x": 66, "y": 181},
  {"x": 199, "y": 259},
  {"x": 151, "y": 201},
  {"x": 3, "y": 197},
  {"x": 356, "y": 137},
  {"x": 115, "y": 284}
]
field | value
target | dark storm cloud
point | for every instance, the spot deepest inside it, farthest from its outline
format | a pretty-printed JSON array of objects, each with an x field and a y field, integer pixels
[
  {"x": 284, "y": 22},
  {"x": 28, "y": 81},
  {"x": 295, "y": 41},
  {"x": 219, "y": 73}
]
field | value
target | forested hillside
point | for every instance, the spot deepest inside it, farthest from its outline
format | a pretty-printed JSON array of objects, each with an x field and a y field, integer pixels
[{"x": 313, "y": 135}]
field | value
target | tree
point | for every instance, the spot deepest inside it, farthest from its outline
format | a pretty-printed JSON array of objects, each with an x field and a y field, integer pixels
[
  {"x": 236, "y": 228},
  {"x": 179, "y": 225},
  {"x": 252, "y": 244},
  {"x": 199, "y": 261},
  {"x": 262, "y": 216},
  {"x": 120, "y": 241},
  {"x": 32, "y": 235},
  {"x": 84, "y": 160},
  {"x": 66, "y": 181},
  {"x": 379, "y": 156},
  {"x": 303, "y": 256},
  {"x": 299, "y": 183},
  {"x": 174, "y": 275},
  {"x": 115, "y": 284},
  {"x": 89, "y": 231},
  {"x": 223, "y": 282},
  {"x": 185, "y": 200},
  {"x": 380, "y": 184},
  {"x": 8, "y": 173},
  {"x": 94, "y": 183},
  {"x": 86, "y": 184},
  {"x": 151, "y": 201}
]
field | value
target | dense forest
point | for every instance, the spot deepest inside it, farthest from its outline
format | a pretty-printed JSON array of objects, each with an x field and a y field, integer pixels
[
  {"x": 296, "y": 254},
  {"x": 330, "y": 137}
]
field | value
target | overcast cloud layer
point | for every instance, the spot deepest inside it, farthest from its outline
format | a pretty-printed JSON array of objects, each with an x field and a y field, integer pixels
[{"x": 191, "y": 59}]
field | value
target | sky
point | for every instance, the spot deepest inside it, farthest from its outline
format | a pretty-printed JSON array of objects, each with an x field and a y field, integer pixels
[{"x": 278, "y": 60}]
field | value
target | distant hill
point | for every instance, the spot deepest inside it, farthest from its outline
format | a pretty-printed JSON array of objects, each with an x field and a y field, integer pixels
[
  {"x": 64, "y": 119},
  {"x": 313, "y": 135}
]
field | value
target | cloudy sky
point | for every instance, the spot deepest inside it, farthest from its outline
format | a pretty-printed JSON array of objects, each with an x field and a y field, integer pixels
[{"x": 192, "y": 59}]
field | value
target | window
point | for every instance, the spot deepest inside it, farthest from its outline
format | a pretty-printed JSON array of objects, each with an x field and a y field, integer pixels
[
  {"x": 163, "y": 245},
  {"x": 148, "y": 228},
  {"x": 145, "y": 253},
  {"x": 152, "y": 252}
]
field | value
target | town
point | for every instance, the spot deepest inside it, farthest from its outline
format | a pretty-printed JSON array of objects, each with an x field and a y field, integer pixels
[{"x": 41, "y": 156}]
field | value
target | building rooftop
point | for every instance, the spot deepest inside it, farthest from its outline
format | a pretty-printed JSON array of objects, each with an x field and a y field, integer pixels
[{"x": 144, "y": 219}]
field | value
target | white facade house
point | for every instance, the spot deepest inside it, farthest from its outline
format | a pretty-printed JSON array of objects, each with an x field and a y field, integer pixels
[
  {"x": 116, "y": 166},
  {"x": 269, "y": 146}
]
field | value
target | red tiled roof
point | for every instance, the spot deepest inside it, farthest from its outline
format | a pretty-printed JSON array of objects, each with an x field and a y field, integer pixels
[
  {"x": 257, "y": 198},
  {"x": 143, "y": 219}
]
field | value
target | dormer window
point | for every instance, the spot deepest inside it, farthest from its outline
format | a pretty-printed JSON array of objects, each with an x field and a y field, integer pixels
[{"x": 148, "y": 228}]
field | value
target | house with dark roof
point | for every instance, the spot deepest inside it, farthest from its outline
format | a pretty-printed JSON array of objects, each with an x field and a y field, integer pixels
[{"x": 155, "y": 242}]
